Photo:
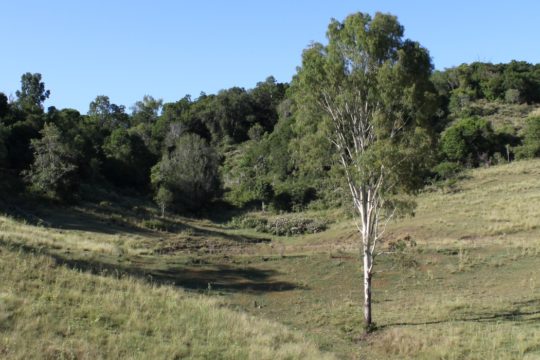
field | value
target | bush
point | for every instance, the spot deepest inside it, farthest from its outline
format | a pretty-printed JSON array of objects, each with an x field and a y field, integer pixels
[
  {"x": 290, "y": 226},
  {"x": 248, "y": 222},
  {"x": 280, "y": 226},
  {"x": 531, "y": 140},
  {"x": 468, "y": 141}
]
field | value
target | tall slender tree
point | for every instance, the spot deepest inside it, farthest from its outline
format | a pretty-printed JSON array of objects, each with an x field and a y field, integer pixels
[{"x": 374, "y": 90}]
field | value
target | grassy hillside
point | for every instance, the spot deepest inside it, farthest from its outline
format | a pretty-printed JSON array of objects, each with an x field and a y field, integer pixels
[
  {"x": 49, "y": 311},
  {"x": 470, "y": 288}
]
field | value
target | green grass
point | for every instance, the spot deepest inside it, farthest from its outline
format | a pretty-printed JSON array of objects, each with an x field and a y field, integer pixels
[
  {"x": 470, "y": 289},
  {"x": 52, "y": 312}
]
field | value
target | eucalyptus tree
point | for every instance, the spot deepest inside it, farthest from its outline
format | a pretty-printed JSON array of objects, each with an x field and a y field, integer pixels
[
  {"x": 374, "y": 91},
  {"x": 106, "y": 114},
  {"x": 53, "y": 171},
  {"x": 32, "y": 94}
]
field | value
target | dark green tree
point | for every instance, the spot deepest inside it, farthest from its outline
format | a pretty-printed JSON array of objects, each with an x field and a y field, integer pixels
[
  {"x": 52, "y": 171},
  {"x": 106, "y": 114},
  {"x": 266, "y": 97},
  {"x": 127, "y": 159},
  {"x": 468, "y": 141},
  {"x": 190, "y": 172},
  {"x": 4, "y": 106},
  {"x": 32, "y": 94},
  {"x": 146, "y": 111},
  {"x": 4, "y": 132}
]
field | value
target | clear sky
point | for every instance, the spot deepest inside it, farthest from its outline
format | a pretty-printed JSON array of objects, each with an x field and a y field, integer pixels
[{"x": 167, "y": 49}]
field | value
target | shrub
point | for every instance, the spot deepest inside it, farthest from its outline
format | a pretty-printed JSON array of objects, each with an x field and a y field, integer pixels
[
  {"x": 280, "y": 226},
  {"x": 290, "y": 226},
  {"x": 248, "y": 222},
  {"x": 531, "y": 140},
  {"x": 468, "y": 141}
]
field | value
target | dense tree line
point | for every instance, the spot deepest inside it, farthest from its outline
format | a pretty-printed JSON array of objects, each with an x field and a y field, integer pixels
[{"x": 260, "y": 147}]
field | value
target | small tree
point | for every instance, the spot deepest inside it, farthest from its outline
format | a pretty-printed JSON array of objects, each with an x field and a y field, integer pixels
[
  {"x": 374, "y": 90},
  {"x": 164, "y": 199},
  {"x": 53, "y": 169},
  {"x": 189, "y": 171},
  {"x": 264, "y": 191}
]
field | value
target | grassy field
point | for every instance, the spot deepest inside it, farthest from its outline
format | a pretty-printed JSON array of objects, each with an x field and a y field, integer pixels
[{"x": 115, "y": 281}]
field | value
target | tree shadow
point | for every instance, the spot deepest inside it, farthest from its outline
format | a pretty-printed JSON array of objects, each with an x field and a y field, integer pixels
[
  {"x": 111, "y": 221},
  {"x": 207, "y": 276},
  {"x": 64, "y": 218},
  {"x": 513, "y": 315},
  {"x": 231, "y": 237}
]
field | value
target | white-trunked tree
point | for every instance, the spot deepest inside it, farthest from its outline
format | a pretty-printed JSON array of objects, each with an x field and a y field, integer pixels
[{"x": 374, "y": 90}]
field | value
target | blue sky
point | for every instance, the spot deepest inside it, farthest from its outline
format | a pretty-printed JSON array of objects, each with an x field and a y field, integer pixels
[{"x": 167, "y": 49}]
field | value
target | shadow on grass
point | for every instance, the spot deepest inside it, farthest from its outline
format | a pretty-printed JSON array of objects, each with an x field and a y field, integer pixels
[
  {"x": 64, "y": 218},
  {"x": 231, "y": 237},
  {"x": 110, "y": 222},
  {"x": 514, "y": 315},
  {"x": 205, "y": 277}
]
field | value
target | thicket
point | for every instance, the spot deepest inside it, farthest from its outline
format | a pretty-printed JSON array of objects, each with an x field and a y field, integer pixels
[{"x": 250, "y": 148}]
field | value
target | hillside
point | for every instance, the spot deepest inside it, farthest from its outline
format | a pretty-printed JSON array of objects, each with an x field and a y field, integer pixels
[
  {"x": 51, "y": 311},
  {"x": 468, "y": 289}
]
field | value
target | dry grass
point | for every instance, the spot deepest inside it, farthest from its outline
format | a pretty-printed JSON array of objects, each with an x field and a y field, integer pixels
[
  {"x": 51, "y": 312},
  {"x": 469, "y": 290},
  {"x": 498, "y": 204}
]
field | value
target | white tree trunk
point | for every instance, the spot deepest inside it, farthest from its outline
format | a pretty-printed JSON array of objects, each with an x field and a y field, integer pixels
[{"x": 367, "y": 288}]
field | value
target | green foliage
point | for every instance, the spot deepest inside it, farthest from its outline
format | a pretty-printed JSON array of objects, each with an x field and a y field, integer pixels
[
  {"x": 146, "y": 111},
  {"x": 281, "y": 225},
  {"x": 127, "y": 159},
  {"x": 248, "y": 222},
  {"x": 531, "y": 140},
  {"x": 4, "y": 133},
  {"x": 368, "y": 73},
  {"x": 164, "y": 198},
  {"x": 4, "y": 105},
  {"x": 264, "y": 191},
  {"x": 512, "y": 96},
  {"x": 32, "y": 94},
  {"x": 291, "y": 226},
  {"x": 256, "y": 132},
  {"x": 468, "y": 141},
  {"x": 447, "y": 170},
  {"x": 514, "y": 82},
  {"x": 106, "y": 114},
  {"x": 52, "y": 172},
  {"x": 190, "y": 172}
]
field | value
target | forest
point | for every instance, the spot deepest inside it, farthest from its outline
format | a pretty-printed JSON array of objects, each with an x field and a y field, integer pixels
[{"x": 243, "y": 148}]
